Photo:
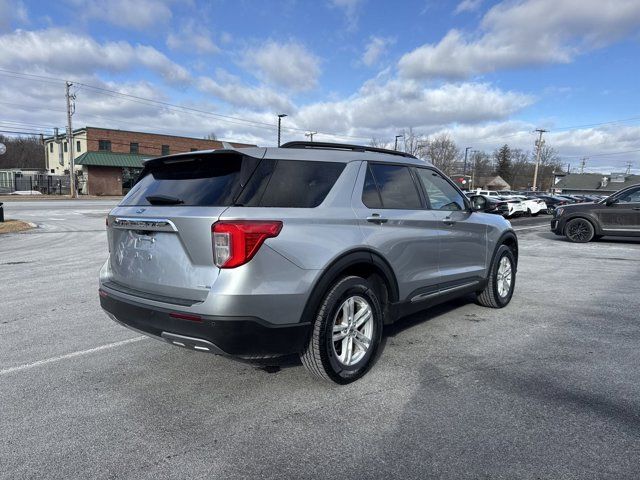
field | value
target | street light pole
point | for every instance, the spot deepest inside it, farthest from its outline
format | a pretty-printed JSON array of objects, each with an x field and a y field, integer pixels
[
  {"x": 475, "y": 167},
  {"x": 539, "y": 144},
  {"x": 280, "y": 117},
  {"x": 310, "y": 135},
  {"x": 466, "y": 152},
  {"x": 396, "y": 144}
]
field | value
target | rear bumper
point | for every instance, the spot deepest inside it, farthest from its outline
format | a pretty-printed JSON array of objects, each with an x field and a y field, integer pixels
[{"x": 242, "y": 337}]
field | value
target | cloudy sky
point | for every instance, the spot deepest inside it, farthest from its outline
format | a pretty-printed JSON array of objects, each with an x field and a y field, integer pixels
[{"x": 486, "y": 72}]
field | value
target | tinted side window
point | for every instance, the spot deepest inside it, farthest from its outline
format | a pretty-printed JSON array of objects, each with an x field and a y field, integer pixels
[
  {"x": 632, "y": 196},
  {"x": 396, "y": 187},
  {"x": 441, "y": 195},
  {"x": 370, "y": 193},
  {"x": 290, "y": 184}
]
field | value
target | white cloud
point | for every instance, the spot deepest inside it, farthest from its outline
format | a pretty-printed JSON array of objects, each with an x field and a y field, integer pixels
[
  {"x": 379, "y": 109},
  {"x": 192, "y": 38},
  {"x": 231, "y": 90},
  {"x": 62, "y": 52},
  {"x": 375, "y": 49},
  {"x": 524, "y": 33},
  {"x": 289, "y": 65},
  {"x": 137, "y": 15},
  {"x": 351, "y": 9},
  {"x": 468, "y": 6},
  {"x": 12, "y": 11}
]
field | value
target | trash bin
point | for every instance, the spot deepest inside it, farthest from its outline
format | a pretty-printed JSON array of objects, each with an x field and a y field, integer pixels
[{"x": 1, "y": 213}]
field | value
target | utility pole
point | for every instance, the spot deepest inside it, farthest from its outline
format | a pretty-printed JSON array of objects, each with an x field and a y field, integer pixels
[
  {"x": 310, "y": 135},
  {"x": 583, "y": 162},
  {"x": 466, "y": 151},
  {"x": 280, "y": 117},
  {"x": 72, "y": 163},
  {"x": 395, "y": 147},
  {"x": 628, "y": 168},
  {"x": 539, "y": 144}
]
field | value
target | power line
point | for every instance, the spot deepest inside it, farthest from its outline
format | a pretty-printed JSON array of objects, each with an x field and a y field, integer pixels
[
  {"x": 260, "y": 124},
  {"x": 138, "y": 99},
  {"x": 35, "y": 134}
]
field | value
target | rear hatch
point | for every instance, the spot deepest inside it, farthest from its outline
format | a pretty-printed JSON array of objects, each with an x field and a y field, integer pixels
[{"x": 160, "y": 234}]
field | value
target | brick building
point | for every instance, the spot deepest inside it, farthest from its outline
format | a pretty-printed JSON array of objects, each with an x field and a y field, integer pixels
[{"x": 107, "y": 161}]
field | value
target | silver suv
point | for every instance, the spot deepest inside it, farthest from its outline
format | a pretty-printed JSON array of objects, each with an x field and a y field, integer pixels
[{"x": 309, "y": 249}]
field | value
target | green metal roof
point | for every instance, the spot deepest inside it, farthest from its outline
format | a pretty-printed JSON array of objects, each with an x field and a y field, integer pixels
[
  {"x": 110, "y": 159},
  {"x": 592, "y": 182}
]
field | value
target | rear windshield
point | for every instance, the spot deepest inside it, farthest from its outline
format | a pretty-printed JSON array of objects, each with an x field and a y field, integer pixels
[{"x": 226, "y": 180}]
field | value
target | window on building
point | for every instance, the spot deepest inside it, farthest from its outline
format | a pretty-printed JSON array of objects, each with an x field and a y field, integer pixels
[
  {"x": 134, "y": 147},
  {"x": 78, "y": 146},
  {"x": 65, "y": 147},
  {"x": 104, "y": 145},
  {"x": 165, "y": 149},
  {"x": 51, "y": 147}
]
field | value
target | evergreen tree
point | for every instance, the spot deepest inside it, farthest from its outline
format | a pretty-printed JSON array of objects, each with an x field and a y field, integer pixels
[{"x": 503, "y": 162}]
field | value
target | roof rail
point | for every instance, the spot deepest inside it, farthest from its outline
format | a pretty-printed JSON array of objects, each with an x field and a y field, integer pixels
[{"x": 344, "y": 146}]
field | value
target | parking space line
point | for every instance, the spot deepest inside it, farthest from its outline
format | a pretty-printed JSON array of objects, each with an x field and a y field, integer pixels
[
  {"x": 79, "y": 353},
  {"x": 529, "y": 228}
]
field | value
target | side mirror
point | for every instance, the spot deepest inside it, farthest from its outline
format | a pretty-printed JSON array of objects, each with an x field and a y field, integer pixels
[
  {"x": 610, "y": 201},
  {"x": 478, "y": 203}
]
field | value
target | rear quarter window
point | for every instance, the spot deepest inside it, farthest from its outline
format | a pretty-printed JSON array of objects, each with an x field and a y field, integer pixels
[{"x": 290, "y": 184}]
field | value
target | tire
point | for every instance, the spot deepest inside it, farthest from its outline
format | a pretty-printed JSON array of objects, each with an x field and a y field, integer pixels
[
  {"x": 494, "y": 294},
  {"x": 330, "y": 360},
  {"x": 579, "y": 230}
]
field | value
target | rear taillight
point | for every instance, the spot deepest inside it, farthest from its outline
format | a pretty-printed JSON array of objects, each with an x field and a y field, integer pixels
[{"x": 236, "y": 242}]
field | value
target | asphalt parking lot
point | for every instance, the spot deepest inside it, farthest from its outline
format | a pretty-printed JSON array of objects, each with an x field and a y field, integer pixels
[{"x": 548, "y": 387}]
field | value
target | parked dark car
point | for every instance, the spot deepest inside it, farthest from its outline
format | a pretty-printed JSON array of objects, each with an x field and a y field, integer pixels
[
  {"x": 495, "y": 205},
  {"x": 616, "y": 215},
  {"x": 553, "y": 202},
  {"x": 569, "y": 198}
]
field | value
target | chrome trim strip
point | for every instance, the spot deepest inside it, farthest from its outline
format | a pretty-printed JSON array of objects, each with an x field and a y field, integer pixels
[
  {"x": 150, "y": 224},
  {"x": 425, "y": 296}
]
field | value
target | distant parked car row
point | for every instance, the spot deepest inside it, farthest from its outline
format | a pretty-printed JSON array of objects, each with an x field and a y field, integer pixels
[{"x": 511, "y": 204}]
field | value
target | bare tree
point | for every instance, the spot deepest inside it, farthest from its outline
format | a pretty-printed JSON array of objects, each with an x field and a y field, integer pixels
[
  {"x": 22, "y": 152},
  {"x": 520, "y": 168},
  {"x": 379, "y": 143},
  {"x": 414, "y": 144},
  {"x": 211, "y": 136},
  {"x": 549, "y": 156},
  {"x": 481, "y": 167},
  {"x": 443, "y": 153}
]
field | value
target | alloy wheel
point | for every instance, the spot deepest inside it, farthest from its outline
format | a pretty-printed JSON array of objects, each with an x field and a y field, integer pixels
[
  {"x": 578, "y": 231},
  {"x": 352, "y": 330},
  {"x": 504, "y": 277}
]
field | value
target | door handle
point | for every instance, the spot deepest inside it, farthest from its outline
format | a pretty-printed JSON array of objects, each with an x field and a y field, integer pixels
[
  {"x": 376, "y": 218},
  {"x": 448, "y": 221},
  {"x": 636, "y": 208}
]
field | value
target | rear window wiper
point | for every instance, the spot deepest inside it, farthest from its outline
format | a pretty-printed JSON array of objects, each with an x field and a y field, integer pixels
[{"x": 163, "y": 200}]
